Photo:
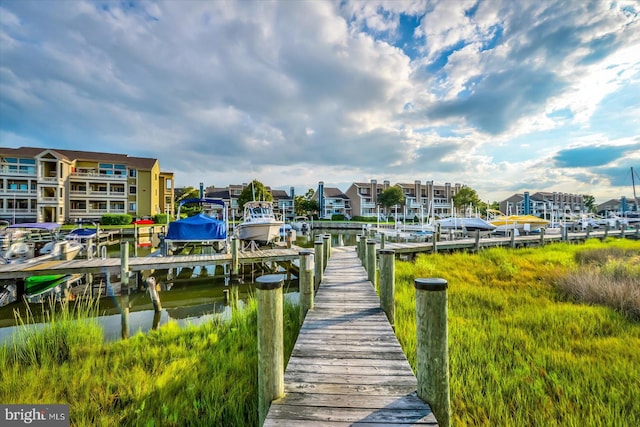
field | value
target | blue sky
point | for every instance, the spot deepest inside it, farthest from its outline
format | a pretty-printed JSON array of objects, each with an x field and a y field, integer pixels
[{"x": 503, "y": 96}]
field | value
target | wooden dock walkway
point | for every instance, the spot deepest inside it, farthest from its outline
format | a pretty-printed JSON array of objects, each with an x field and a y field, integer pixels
[
  {"x": 347, "y": 367},
  {"x": 112, "y": 265}
]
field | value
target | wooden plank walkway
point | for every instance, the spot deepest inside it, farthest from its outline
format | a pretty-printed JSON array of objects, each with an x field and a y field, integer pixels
[{"x": 347, "y": 367}]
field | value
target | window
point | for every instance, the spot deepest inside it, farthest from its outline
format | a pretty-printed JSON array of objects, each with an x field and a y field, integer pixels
[
  {"x": 132, "y": 189},
  {"x": 132, "y": 173},
  {"x": 132, "y": 207}
]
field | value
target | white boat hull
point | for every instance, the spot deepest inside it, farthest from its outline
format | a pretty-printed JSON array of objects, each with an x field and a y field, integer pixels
[{"x": 259, "y": 232}]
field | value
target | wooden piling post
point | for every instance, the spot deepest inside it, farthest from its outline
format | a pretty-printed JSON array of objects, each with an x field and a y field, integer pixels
[
  {"x": 433, "y": 352},
  {"x": 234, "y": 257},
  {"x": 153, "y": 293},
  {"x": 513, "y": 238},
  {"x": 362, "y": 248},
  {"x": 588, "y": 232},
  {"x": 270, "y": 342},
  {"x": 622, "y": 231},
  {"x": 305, "y": 283},
  {"x": 319, "y": 260},
  {"x": 371, "y": 261},
  {"x": 606, "y": 230},
  {"x": 542, "y": 237},
  {"x": 326, "y": 239},
  {"x": 124, "y": 288},
  {"x": 382, "y": 239},
  {"x": 637, "y": 231},
  {"x": 477, "y": 242},
  {"x": 388, "y": 283}
]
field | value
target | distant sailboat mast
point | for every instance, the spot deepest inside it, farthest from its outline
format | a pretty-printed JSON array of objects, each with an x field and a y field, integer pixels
[{"x": 635, "y": 197}]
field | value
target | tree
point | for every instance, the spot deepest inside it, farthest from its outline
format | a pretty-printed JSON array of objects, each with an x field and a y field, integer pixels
[
  {"x": 390, "y": 197},
  {"x": 589, "y": 203},
  {"x": 466, "y": 196},
  {"x": 254, "y": 191},
  {"x": 304, "y": 205},
  {"x": 183, "y": 194}
]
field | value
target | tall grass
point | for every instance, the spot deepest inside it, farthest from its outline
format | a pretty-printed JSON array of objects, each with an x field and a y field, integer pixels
[
  {"x": 521, "y": 353},
  {"x": 608, "y": 276},
  {"x": 202, "y": 375}
]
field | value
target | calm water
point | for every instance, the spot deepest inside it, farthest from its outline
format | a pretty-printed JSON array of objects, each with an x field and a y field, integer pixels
[{"x": 191, "y": 301}]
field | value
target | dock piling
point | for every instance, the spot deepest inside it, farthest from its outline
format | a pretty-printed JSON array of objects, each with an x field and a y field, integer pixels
[
  {"x": 371, "y": 261},
  {"x": 124, "y": 288},
  {"x": 326, "y": 248},
  {"x": 319, "y": 262},
  {"x": 432, "y": 352},
  {"x": 305, "y": 283},
  {"x": 270, "y": 342},
  {"x": 387, "y": 284}
]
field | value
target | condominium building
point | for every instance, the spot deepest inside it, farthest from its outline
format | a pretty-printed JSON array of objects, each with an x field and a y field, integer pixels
[
  {"x": 283, "y": 202},
  {"x": 421, "y": 200},
  {"x": 331, "y": 201},
  {"x": 53, "y": 185},
  {"x": 542, "y": 203}
]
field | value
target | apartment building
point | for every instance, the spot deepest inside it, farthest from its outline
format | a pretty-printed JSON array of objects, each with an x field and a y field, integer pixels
[
  {"x": 283, "y": 202},
  {"x": 421, "y": 200},
  {"x": 53, "y": 185},
  {"x": 331, "y": 201},
  {"x": 542, "y": 203}
]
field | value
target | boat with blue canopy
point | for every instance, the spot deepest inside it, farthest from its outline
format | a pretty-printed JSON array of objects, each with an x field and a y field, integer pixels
[{"x": 207, "y": 229}]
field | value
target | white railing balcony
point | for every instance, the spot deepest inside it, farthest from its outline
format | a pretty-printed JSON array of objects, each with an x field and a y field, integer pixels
[
  {"x": 367, "y": 205},
  {"x": 48, "y": 200},
  {"x": 78, "y": 192},
  {"x": 414, "y": 205},
  {"x": 94, "y": 210},
  {"x": 98, "y": 192},
  {"x": 17, "y": 172},
  {"x": 95, "y": 175}
]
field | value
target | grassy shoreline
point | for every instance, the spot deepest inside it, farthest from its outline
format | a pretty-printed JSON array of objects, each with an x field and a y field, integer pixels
[{"x": 521, "y": 351}]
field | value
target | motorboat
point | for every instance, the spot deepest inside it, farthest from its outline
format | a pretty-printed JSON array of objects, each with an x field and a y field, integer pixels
[
  {"x": 38, "y": 288},
  {"x": 300, "y": 223},
  {"x": 259, "y": 223},
  {"x": 521, "y": 223},
  {"x": 36, "y": 242},
  {"x": 205, "y": 229},
  {"x": 469, "y": 224}
]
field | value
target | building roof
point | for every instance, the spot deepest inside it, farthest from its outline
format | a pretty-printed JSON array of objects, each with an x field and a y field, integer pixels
[
  {"x": 135, "y": 162},
  {"x": 280, "y": 194},
  {"x": 334, "y": 193}
]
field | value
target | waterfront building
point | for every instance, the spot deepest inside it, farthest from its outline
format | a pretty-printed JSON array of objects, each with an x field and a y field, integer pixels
[
  {"x": 543, "y": 202},
  {"x": 331, "y": 201},
  {"x": 283, "y": 202},
  {"x": 421, "y": 200},
  {"x": 54, "y": 185}
]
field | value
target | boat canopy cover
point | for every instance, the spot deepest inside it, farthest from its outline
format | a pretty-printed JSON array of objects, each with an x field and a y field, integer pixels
[{"x": 199, "y": 227}]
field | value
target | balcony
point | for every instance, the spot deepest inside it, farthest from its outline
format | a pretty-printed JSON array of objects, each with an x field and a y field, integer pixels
[
  {"x": 367, "y": 205},
  {"x": 48, "y": 200},
  {"x": 98, "y": 176}
]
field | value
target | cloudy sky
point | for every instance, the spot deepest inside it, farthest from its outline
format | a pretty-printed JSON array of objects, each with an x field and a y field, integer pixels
[{"x": 504, "y": 96}]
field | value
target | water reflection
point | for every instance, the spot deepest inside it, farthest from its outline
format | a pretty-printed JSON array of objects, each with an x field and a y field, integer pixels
[{"x": 194, "y": 300}]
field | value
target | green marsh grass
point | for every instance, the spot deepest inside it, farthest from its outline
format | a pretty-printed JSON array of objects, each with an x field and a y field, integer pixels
[
  {"x": 521, "y": 352},
  {"x": 203, "y": 375}
]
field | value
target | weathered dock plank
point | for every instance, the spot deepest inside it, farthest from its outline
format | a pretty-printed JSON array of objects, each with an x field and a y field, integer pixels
[{"x": 347, "y": 367}]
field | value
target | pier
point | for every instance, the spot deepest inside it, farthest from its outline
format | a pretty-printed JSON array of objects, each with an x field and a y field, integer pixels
[{"x": 347, "y": 367}]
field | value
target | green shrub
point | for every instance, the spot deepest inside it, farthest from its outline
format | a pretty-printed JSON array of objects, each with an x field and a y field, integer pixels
[
  {"x": 337, "y": 217},
  {"x": 116, "y": 219},
  {"x": 161, "y": 219}
]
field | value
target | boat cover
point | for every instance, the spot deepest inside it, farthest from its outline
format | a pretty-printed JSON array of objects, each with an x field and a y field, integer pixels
[{"x": 199, "y": 227}]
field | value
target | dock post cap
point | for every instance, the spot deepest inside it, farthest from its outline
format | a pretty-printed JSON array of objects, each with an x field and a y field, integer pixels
[
  {"x": 318, "y": 242},
  {"x": 269, "y": 282},
  {"x": 305, "y": 252},
  {"x": 371, "y": 242},
  {"x": 431, "y": 284},
  {"x": 386, "y": 252}
]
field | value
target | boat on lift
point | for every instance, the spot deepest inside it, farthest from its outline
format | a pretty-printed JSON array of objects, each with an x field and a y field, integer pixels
[
  {"x": 259, "y": 224},
  {"x": 206, "y": 230}
]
